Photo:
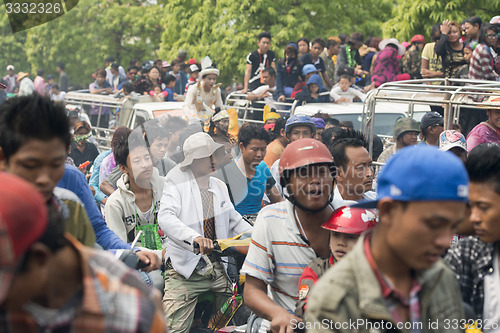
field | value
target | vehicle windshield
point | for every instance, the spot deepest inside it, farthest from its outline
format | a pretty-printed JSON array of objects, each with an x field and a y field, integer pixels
[{"x": 384, "y": 122}]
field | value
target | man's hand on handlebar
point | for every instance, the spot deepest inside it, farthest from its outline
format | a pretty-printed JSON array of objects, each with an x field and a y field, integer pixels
[
  {"x": 149, "y": 258},
  {"x": 281, "y": 322},
  {"x": 206, "y": 244}
]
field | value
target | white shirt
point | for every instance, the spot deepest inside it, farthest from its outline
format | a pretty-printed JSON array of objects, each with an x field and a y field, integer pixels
[
  {"x": 59, "y": 97},
  {"x": 491, "y": 310},
  {"x": 269, "y": 96},
  {"x": 336, "y": 93}
]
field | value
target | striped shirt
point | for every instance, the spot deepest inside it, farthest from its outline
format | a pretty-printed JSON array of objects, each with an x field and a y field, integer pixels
[
  {"x": 278, "y": 253},
  {"x": 113, "y": 299}
]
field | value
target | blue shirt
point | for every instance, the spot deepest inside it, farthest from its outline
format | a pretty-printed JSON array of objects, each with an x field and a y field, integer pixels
[
  {"x": 94, "y": 179},
  {"x": 170, "y": 96},
  {"x": 256, "y": 189},
  {"x": 74, "y": 180}
]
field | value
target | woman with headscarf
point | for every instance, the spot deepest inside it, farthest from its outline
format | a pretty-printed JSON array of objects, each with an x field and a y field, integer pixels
[
  {"x": 386, "y": 63},
  {"x": 81, "y": 149}
]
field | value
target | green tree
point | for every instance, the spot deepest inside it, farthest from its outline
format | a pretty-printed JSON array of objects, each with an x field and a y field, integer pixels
[
  {"x": 417, "y": 17},
  {"x": 226, "y": 30},
  {"x": 12, "y": 47}
]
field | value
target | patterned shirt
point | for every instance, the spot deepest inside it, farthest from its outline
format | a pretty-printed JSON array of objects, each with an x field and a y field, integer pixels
[
  {"x": 481, "y": 64},
  {"x": 393, "y": 297},
  {"x": 113, "y": 299}
]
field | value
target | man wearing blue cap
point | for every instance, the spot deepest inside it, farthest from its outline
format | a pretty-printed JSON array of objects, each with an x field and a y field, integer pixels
[
  {"x": 393, "y": 279},
  {"x": 307, "y": 71}
]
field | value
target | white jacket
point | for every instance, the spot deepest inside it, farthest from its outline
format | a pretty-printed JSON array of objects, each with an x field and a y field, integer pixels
[
  {"x": 120, "y": 210},
  {"x": 181, "y": 217}
]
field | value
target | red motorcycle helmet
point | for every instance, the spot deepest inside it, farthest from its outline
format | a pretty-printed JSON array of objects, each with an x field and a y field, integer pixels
[
  {"x": 350, "y": 220},
  {"x": 304, "y": 152}
]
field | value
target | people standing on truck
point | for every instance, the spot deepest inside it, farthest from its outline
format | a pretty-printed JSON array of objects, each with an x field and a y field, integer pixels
[
  {"x": 195, "y": 208},
  {"x": 116, "y": 78},
  {"x": 332, "y": 49},
  {"x": 203, "y": 97},
  {"x": 463, "y": 71},
  {"x": 346, "y": 224},
  {"x": 56, "y": 94},
  {"x": 317, "y": 47},
  {"x": 169, "y": 88},
  {"x": 395, "y": 269},
  {"x": 406, "y": 131},
  {"x": 483, "y": 58},
  {"x": 180, "y": 77},
  {"x": 432, "y": 64},
  {"x": 355, "y": 172},
  {"x": 219, "y": 126},
  {"x": 431, "y": 126},
  {"x": 100, "y": 86},
  {"x": 288, "y": 70},
  {"x": 349, "y": 56},
  {"x": 472, "y": 27},
  {"x": 343, "y": 92},
  {"x": 63, "y": 78},
  {"x": 386, "y": 63},
  {"x": 288, "y": 235},
  {"x": 487, "y": 131},
  {"x": 411, "y": 62},
  {"x": 257, "y": 61},
  {"x": 450, "y": 48},
  {"x": 303, "y": 46}
]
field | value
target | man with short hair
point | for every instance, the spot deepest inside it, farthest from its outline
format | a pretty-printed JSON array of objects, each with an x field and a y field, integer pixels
[
  {"x": 288, "y": 235},
  {"x": 475, "y": 259},
  {"x": 332, "y": 49},
  {"x": 100, "y": 86},
  {"x": 266, "y": 91},
  {"x": 51, "y": 282},
  {"x": 10, "y": 80},
  {"x": 195, "y": 208},
  {"x": 180, "y": 78},
  {"x": 394, "y": 278},
  {"x": 354, "y": 166},
  {"x": 432, "y": 124},
  {"x": 257, "y": 61},
  {"x": 116, "y": 78},
  {"x": 252, "y": 142},
  {"x": 317, "y": 47},
  {"x": 406, "y": 131}
]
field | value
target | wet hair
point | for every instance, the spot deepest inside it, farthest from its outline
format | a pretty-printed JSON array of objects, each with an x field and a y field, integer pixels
[
  {"x": 100, "y": 72},
  {"x": 483, "y": 165},
  {"x": 31, "y": 117},
  {"x": 319, "y": 41},
  {"x": 344, "y": 139},
  {"x": 271, "y": 71},
  {"x": 328, "y": 134},
  {"x": 264, "y": 35},
  {"x": 250, "y": 132},
  {"x": 484, "y": 29}
]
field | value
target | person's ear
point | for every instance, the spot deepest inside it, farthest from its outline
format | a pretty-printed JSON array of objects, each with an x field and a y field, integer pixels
[
  {"x": 38, "y": 258},
  {"x": 123, "y": 168},
  {"x": 241, "y": 146},
  {"x": 388, "y": 210},
  {"x": 282, "y": 132},
  {"x": 3, "y": 161}
]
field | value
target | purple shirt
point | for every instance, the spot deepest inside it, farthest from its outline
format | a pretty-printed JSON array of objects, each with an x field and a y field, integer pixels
[
  {"x": 108, "y": 164},
  {"x": 95, "y": 106},
  {"x": 482, "y": 133}
]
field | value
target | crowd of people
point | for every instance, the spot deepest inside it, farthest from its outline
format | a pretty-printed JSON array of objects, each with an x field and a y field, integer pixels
[{"x": 413, "y": 247}]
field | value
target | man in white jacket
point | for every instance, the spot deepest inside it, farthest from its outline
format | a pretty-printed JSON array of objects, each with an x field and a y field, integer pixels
[{"x": 195, "y": 208}]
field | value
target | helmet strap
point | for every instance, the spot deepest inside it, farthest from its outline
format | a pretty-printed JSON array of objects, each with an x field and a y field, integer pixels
[{"x": 295, "y": 202}]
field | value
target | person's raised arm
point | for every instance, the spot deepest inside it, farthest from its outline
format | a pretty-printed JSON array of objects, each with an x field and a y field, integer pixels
[{"x": 248, "y": 73}]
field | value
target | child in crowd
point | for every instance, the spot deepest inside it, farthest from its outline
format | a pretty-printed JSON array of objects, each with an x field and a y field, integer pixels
[
  {"x": 56, "y": 94},
  {"x": 314, "y": 88},
  {"x": 345, "y": 225},
  {"x": 344, "y": 93},
  {"x": 194, "y": 72},
  {"x": 157, "y": 94},
  {"x": 463, "y": 71},
  {"x": 170, "y": 83}
]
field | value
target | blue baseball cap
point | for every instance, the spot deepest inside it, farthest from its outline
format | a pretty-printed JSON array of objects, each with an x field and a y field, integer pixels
[
  {"x": 309, "y": 68},
  {"x": 422, "y": 173}
]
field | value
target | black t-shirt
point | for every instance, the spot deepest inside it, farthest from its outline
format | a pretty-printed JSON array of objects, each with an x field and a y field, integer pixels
[
  {"x": 307, "y": 59},
  {"x": 258, "y": 62},
  {"x": 89, "y": 153}
]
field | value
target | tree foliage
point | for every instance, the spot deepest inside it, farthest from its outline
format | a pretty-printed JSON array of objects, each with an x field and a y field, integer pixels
[{"x": 411, "y": 17}]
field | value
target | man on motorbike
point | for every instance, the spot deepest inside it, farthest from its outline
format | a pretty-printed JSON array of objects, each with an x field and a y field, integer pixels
[{"x": 288, "y": 235}]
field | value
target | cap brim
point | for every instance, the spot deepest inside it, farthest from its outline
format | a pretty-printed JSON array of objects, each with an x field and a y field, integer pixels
[
  {"x": 201, "y": 152},
  {"x": 366, "y": 204}
]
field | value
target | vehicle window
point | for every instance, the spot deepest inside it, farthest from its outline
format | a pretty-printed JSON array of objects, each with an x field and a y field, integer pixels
[
  {"x": 140, "y": 118},
  {"x": 384, "y": 122}
]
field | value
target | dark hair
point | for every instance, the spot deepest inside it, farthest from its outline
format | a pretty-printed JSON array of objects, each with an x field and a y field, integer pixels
[
  {"x": 473, "y": 20},
  {"x": 126, "y": 143},
  {"x": 61, "y": 65},
  {"x": 321, "y": 115},
  {"x": 31, "y": 117},
  {"x": 175, "y": 62},
  {"x": 291, "y": 49},
  {"x": 252, "y": 131},
  {"x": 187, "y": 132},
  {"x": 331, "y": 42},
  {"x": 347, "y": 123},
  {"x": 304, "y": 39},
  {"x": 344, "y": 139},
  {"x": 484, "y": 29},
  {"x": 115, "y": 66},
  {"x": 264, "y": 35},
  {"x": 332, "y": 121},
  {"x": 174, "y": 124},
  {"x": 128, "y": 87},
  {"x": 169, "y": 78},
  {"x": 328, "y": 134},
  {"x": 343, "y": 38},
  {"x": 145, "y": 70},
  {"x": 456, "y": 127},
  {"x": 100, "y": 71},
  {"x": 154, "y": 132},
  {"x": 319, "y": 41},
  {"x": 483, "y": 165},
  {"x": 345, "y": 76},
  {"x": 378, "y": 147},
  {"x": 271, "y": 71},
  {"x": 133, "y": 67},
  {"x": 278, "y": 126},
  {"x": 55, "y": 86},
  {"x": 120, "y": 132},
  {"x": 39, "y": 72},
  {"x": 435, "y": 28},
  {"x": 133, "y": 62}
]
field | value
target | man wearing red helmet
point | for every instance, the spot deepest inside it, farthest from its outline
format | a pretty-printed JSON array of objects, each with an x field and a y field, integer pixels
[
  {"x": 346, "y": 225},
  {"x": 288, "y": 235},
  {"x": 411, "y": 60}
]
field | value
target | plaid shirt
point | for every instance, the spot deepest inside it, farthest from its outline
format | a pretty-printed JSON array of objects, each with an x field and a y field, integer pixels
[
  {"x": 393, "y": 297},
  {"x": 481, "y": 64},
  {"x": 471, "y": 260},
  {"x": 113, "y": 299}
]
